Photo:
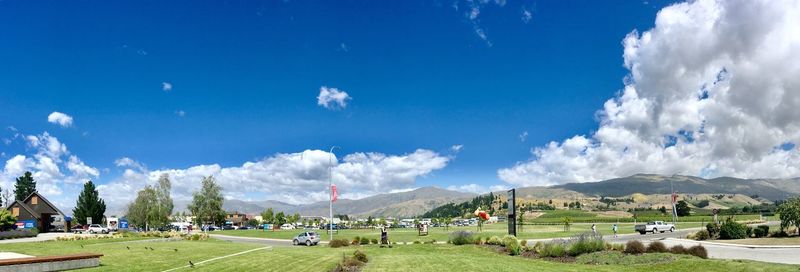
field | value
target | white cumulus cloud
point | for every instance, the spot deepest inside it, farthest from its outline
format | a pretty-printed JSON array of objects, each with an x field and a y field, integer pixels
[
  {"x": 166, "y": 86},
  {"x": 59, "y": 118},
  {"x": 332, "y": 98},
  {"x": 712, "y": 91},
  {"x": 290, "y": 177}
]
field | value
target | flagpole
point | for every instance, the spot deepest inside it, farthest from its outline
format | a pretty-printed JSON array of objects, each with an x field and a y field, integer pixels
[{"x": 330, "y": 196}]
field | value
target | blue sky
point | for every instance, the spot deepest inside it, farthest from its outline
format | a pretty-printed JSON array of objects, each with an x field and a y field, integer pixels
[{"x": 245, "y": 77}]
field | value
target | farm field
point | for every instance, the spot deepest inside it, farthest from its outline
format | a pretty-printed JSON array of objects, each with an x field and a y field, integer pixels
[
  {"x": 176, "y": 255},
  {"x": 580, "y": 216}
]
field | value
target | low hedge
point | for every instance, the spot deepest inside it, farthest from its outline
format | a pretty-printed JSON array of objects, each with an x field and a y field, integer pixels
[{"x": 19, "y": 233}]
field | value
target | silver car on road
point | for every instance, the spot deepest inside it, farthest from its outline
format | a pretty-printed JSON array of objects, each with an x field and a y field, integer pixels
[{"x": 306, "y": 238}]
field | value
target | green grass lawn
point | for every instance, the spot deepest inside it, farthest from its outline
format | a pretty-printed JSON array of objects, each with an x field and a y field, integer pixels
[
  {"x": 440, "y": 234},
  {"x": 320, "y": 258}
]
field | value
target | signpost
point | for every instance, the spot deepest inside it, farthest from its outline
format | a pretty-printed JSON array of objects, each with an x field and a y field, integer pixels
[
  {"x": 512, "y": 212},
  {"x": 88, "y": 220}
]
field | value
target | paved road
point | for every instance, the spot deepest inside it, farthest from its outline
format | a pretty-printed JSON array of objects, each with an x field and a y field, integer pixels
[
  {"x": 785, "y": 255},
  {"x": 47, "y": 236}
]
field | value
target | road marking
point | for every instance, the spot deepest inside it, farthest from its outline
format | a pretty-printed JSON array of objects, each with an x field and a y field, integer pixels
[{"x": 218, "y": 258}]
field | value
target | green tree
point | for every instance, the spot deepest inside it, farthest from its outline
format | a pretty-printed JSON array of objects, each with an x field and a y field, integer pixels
[
  {"x": 25, "y": 186},
  {"x": 6, "y": 219},
  {"x": 207, "y": 203},
  {"x": 521, "y": 221},
  {"x": 165, "y": 205},
  {"x": 268, "y": 216},
  {"x": 252, "y": 222},
  {"x": 790, "y": 213},
  {"x": 567, "y": 222},
  {"x": 295, "y": 218},
  {"x": 682, "y": 208},
  {"x": 89, "y": 205},
  {"x": 141, "y": 210},
  {"x": 663, "y": 210},
  {"x": 280, "y": 218}
]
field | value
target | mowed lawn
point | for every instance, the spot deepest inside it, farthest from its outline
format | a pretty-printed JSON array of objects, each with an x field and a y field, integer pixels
[
  {"x": 441, "y": 234},
  {"x": 321, "y": 258}
]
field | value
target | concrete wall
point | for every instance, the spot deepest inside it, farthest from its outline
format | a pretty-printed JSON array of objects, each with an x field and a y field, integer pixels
[{"x": 52, "y": 266}]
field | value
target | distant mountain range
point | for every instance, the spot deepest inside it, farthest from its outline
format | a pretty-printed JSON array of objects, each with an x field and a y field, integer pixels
[
  {"x": 419, "y": 201},
  {"x": 772, "y": 189},
  {"x": 402, "y": 204}
]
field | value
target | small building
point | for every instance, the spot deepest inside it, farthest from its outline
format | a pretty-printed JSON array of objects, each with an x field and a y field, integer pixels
[
  {"x": 236, "y": 219},
  {"x": 34, "y": 212}
]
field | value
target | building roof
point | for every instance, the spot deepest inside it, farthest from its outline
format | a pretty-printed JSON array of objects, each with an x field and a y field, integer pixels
[
  {"x": 28, "y": 209},
  {"x": 45, "y": 201}
]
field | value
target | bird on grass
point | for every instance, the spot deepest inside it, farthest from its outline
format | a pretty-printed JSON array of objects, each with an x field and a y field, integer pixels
[
  {"x": 191, "y": 264},
  {"x": 129, "y": 248},
  {"x": 151, "y": 248},
  {"x": 81, "y": 246},
  {"x": 176, "y": 250}
]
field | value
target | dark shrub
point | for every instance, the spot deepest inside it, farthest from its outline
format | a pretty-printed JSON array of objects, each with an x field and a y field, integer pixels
[
  {"x": 336, "y": 243},
  {"x": 634, "y": 247},
  {"x": 678, "y": 249},
  {"x": 461, "y": 237},
  {"x": 702, "y": 235},
  {"x": 732, "y": 230},
  {"x": 656, "y": 247},
  {"x": 356, "y": 241},
  {"x": 374, "y": 241},
  {"x": 779, "y": 234},
  {"x": 698, "y": 251},
  {"x": 749, "y": 231},
  {"x": 585, "y": 243},
  {"x": 364, "y": 241},
  {"x": 358, "y": 255},
  {"x": 761, "y": 231},
  {"x": 349, "y": 265},
  {"x": 713, "y": 230},
  {"x": 14, "y": 234}
]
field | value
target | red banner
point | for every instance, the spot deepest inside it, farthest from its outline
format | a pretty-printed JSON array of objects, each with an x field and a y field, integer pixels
[{"x": 334, "y": 193}]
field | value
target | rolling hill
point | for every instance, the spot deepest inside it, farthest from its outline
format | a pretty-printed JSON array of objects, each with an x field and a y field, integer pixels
[
  {"x": 772, "y": 189},
  {"x": 402, "y": 204}
]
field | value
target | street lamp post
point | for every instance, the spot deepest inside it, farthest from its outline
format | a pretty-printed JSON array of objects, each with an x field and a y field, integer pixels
[{"x": 330, "y": 187}]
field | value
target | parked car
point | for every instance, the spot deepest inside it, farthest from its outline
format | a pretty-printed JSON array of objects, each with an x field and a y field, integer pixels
[
  {"x": 245, "y": 228},
  {"x": 306, "y": 238},
  {"x": 287, "y": 227},
  {"x": 654, "y": 227},
  {"x": 228, "y": 227},
  {"x": 56, "y": 228},
  {"x": 96, "y": 228},
  {"x": 77, "y": 229},
  {"x": 209, "y": 228}
]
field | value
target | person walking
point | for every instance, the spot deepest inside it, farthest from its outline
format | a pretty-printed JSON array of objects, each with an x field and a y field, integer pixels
[
  {"x": 614, "y": 228},
  {"x": 594, "y": 228},
  {"x": 384, "y": 237}
]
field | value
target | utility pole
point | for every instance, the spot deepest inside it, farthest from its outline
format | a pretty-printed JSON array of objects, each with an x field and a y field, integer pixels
[{"x": 330, "y": 187}]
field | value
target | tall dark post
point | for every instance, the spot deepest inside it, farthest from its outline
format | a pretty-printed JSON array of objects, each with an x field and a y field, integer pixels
[{"x": 512, "y": 212}]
